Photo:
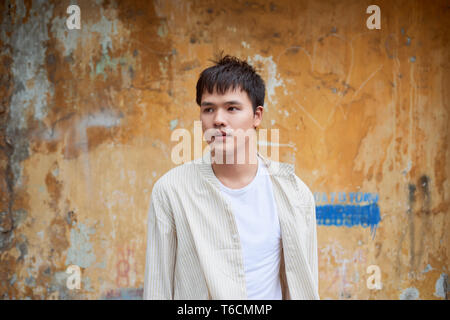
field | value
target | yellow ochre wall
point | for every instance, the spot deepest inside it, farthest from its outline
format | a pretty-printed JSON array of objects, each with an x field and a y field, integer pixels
[{"x": 86, "y": 118}]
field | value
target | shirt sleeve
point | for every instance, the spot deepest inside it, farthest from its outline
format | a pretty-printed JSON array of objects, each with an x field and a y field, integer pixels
[
  {"x": 161, "y": 249},
  {"x": 307, "y": 195},
  {"x": 313, "y": 249}
]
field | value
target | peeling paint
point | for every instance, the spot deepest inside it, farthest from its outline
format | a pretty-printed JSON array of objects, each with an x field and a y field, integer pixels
[
  {"x": 273, "y": 80},
  {"x": 428, "y": 268},
  {"x": 441, "y": 286},
  {"x": 81, "y": 251},
  {"x": 173, "y": 124},
  {"x": 409, "y": 294}
]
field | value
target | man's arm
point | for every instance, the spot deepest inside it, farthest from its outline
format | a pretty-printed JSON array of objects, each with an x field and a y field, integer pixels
[{"x": 161, "y": 249}]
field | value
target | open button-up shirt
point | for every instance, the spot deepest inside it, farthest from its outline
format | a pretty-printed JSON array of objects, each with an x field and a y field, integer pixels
[{"x": 193, "y": 247}]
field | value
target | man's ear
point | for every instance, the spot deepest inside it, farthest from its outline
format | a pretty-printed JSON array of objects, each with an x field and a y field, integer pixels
[{"x": 258, "y": 116}]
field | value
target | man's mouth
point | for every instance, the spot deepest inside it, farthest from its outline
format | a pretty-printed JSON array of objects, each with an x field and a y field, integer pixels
[{"x": 221, "y": 135}]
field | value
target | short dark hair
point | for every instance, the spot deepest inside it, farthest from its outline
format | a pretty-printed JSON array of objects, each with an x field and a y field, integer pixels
[{"x": 231, "y": 72}]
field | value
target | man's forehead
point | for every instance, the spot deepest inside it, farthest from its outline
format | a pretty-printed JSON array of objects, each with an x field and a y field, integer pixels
[{"x": 236, "y": 92}]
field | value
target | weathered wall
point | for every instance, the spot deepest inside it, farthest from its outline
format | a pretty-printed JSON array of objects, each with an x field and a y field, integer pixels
[{"x": 86, "y": 118}]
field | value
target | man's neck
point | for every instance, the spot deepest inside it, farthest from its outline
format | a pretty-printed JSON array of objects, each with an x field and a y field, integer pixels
[{"x": 236, "y": 175}]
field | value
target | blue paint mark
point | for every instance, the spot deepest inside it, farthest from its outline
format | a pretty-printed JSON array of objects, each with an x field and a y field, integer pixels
[
  {"x": 412, "y": 59},
  {"x": 349, "y": 215},
  {"x": 344, "y": 197}
]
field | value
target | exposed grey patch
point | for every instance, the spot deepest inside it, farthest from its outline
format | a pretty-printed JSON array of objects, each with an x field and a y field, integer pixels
[
  {"x": 30, "y": 281},
  {"x": 71, "y": 218},
  {"x": 81, "y": 251},
  {"x": 19, "y": 153},
  {"x": 23, "y": 249},
  {"x": 5, "y": 222},
  {"x": 70, "y": 40},
  {"x": 51, "y": 59},
  {"x": 411, "y": 196},
  {"x": 69, "y": 58},
  {"x": 412, "y": 59},
  {"x": 345, "y": 295},
  {"x": 131, "y": 72},
  {"x": 13, "y": 279},
  {"x": 427, "y": 268},
  {"x": 409, "y": 294},
  {"x": 18, "y": 87},
  {"x": 19, "y": 217},
  {"x": 441, "y": 286},
  {"x": 25, "y": 43},
  {"x": 59, "y": 284},
  {"x": 6, "y": 240}
]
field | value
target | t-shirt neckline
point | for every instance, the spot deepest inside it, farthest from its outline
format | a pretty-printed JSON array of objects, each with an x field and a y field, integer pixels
[{"x": 243, "y": 189}]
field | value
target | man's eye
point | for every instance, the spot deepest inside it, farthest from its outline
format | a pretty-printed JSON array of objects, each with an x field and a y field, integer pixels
[
  {"x": 233, "y": 108},
  {"x": 207, "y": 109}
]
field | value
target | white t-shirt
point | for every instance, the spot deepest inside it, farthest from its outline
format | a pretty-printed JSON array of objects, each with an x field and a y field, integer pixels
[{"x": 257, "y": 221}]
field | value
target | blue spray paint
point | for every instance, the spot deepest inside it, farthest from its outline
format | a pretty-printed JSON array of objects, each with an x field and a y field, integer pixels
[{"x": 348, "y": 209}]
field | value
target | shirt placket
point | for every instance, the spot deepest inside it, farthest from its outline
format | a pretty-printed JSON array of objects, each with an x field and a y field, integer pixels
[{"x": 237, "y": 249}]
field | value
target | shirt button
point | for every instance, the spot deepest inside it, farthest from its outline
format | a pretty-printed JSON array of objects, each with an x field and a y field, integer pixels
[
  {"x": 241, "y": 273},
  {"x": 235, "y": 236}
]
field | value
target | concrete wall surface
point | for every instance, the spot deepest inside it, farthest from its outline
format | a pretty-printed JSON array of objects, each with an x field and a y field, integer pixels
[{"x": 86, "y": 118}]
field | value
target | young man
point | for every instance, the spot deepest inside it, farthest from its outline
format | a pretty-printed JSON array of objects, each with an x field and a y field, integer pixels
[{"x": 228, "y": 226}]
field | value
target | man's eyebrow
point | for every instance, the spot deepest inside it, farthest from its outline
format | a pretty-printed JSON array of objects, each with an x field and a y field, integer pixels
[
  {"x": 234, "y": 102},
  {"x": 208, "y": 104}
]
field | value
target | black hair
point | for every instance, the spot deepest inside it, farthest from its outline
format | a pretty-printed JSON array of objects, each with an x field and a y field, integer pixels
[{"x": 231, "y": 72}]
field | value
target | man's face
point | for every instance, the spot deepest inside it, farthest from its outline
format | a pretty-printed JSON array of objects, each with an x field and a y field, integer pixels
[{"x": 231, "y": 113}]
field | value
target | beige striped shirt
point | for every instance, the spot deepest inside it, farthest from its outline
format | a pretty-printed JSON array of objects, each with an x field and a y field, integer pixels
[{"x": 193, "y": 247}]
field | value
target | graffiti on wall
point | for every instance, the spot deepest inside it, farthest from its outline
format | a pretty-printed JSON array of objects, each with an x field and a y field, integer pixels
[{"x": 348, "y": 209}]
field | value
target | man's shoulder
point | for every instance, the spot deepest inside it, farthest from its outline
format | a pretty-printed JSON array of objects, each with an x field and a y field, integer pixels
[
  {"x": 285, "y": 169},
  {"x": 177, "y": 177},
  {"x": 306, "y": 195}
]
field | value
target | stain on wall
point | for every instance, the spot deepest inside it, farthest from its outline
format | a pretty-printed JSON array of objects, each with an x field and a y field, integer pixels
[{"x": 86, "y": 118}]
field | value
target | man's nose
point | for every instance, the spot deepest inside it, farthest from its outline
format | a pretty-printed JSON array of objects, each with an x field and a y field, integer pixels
[{"x": 219, "y": 118}]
